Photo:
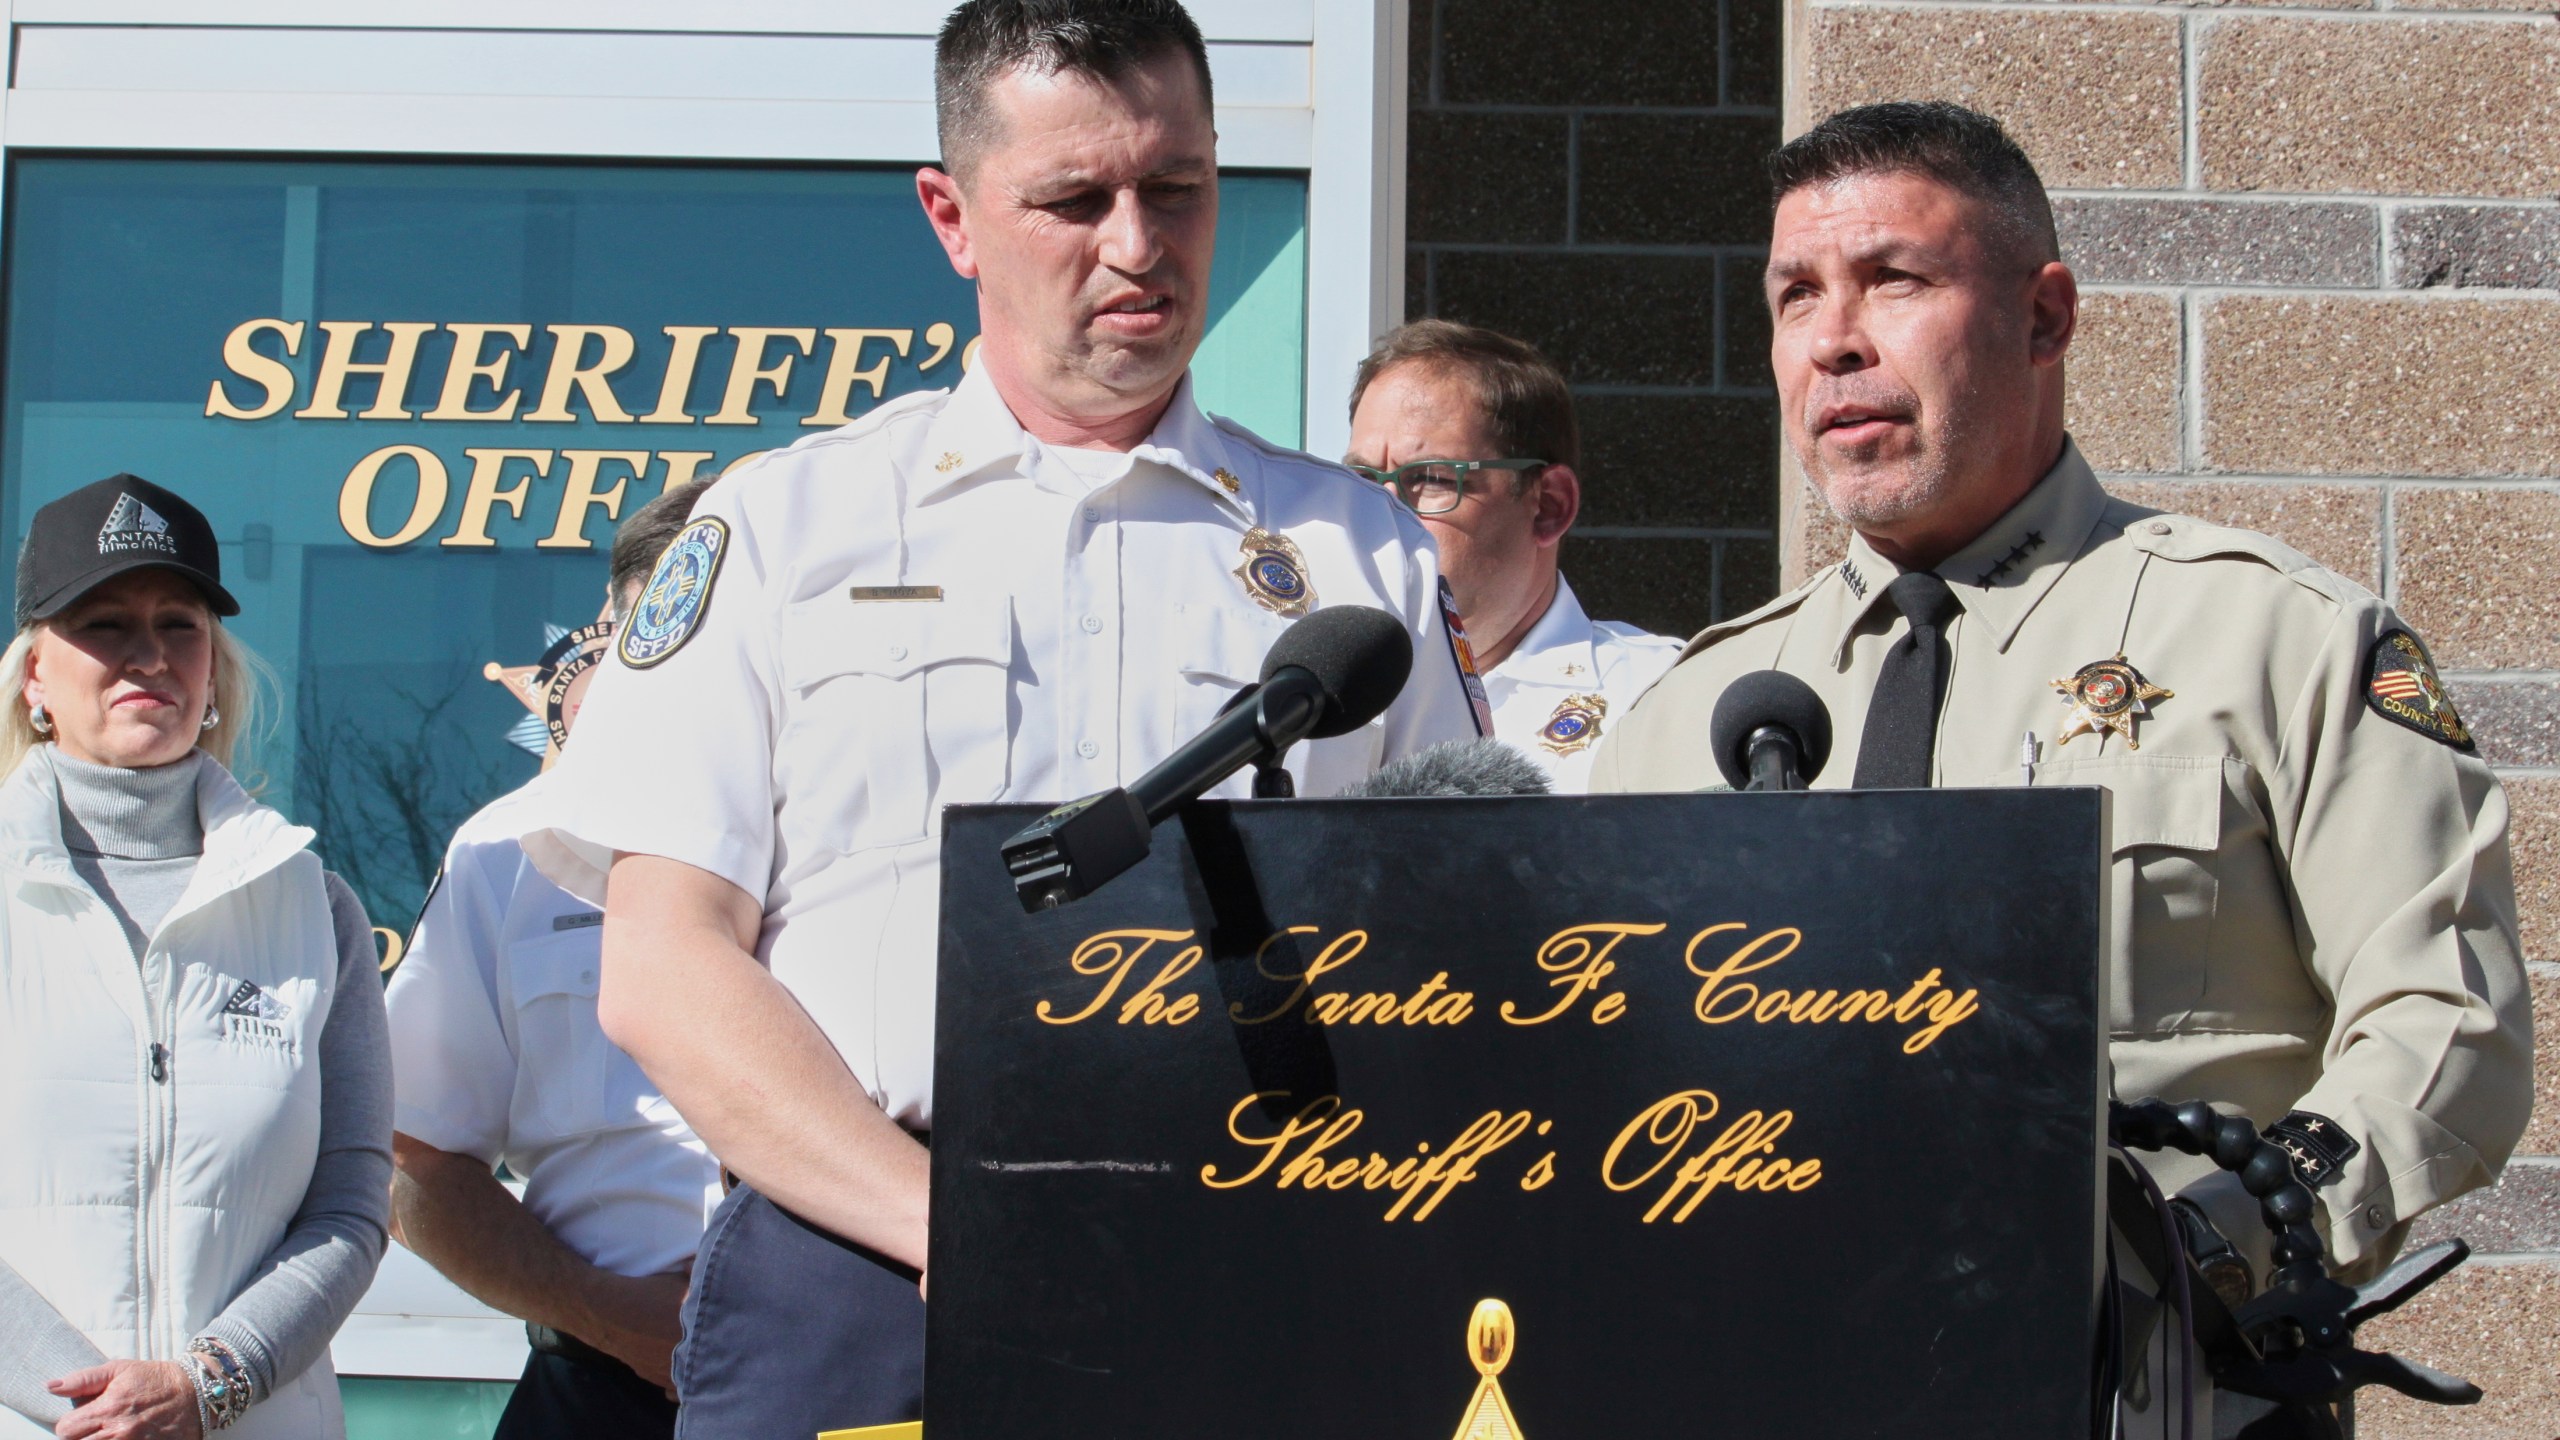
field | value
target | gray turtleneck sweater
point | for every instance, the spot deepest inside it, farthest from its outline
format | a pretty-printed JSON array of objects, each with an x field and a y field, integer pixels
[{"x": 135, "y": 836}]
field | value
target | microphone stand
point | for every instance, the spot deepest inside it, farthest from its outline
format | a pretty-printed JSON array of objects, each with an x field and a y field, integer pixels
[{"x": 1776, "y": 759}]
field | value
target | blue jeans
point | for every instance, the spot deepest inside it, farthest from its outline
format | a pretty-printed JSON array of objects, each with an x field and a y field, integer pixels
[
  {"x": 560, "y": 1398},
  {"x": 790, "y": 1331}
]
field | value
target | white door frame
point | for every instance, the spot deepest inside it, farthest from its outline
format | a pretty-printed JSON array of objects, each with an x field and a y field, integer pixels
[{"x": 1311, "y": 86}]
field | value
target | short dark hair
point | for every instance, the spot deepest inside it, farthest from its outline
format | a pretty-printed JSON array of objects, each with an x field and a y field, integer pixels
[
  {"x": 1962, "y": 149},
  {"x": 985, "y": 40},
  {"x": 1521, "y": 390},
  {"x": 640, "y": 540}
]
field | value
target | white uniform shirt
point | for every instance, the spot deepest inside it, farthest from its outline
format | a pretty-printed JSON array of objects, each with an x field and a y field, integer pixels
[
  {"x": 496, "y": 1054},
  {"x": 928, "y": 607},
  {"x": 1554, "y": 694}
]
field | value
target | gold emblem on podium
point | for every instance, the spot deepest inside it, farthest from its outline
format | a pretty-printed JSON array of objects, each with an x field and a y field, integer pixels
[{"x": 1489, "y": 1337}]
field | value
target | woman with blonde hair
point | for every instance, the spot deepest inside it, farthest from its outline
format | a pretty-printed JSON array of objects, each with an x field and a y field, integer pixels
[{"x": 195, "y": 1100}]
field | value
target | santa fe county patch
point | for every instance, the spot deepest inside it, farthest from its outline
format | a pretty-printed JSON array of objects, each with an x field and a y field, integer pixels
[
  {"x": 2400, "y": 684},
  {"x": 1463, "y": 655},
  {"x": 679, "y": 595}
]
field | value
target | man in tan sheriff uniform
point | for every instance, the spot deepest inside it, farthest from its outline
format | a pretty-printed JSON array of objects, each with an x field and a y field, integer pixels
[{"x": 2313, "y": 919}]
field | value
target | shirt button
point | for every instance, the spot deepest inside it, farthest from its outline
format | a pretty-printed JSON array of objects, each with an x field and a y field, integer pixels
[
  {"x": 1087, "y": 749},
  {"x": 587, "y": 976},
  {"x": 2158, "y": 527},
  {"x": 1093, "y": 624},
  {"x": 2373, "y": 1216},
  {"x": 897, "y": 652},
  {"x": 1091, "y": 515}
]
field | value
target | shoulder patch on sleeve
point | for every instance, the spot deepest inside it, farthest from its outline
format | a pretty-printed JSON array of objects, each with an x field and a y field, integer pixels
[
  {"x": 1463, "y": 656},
  {"x": 679, "y": 594},
  {"x": 2316, "y": 1144},
  {"x": 2401, "y": 685}
]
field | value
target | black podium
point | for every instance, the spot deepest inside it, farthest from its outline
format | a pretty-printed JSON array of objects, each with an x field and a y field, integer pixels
[{"x": 1764, "y": 1115}]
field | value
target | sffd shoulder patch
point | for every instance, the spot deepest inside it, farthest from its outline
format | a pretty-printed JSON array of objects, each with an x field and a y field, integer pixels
[
  {"x": 2400, "y": 684},
  {"x": 1463, "y": 655},
  {"x": 679, "y": 595}
]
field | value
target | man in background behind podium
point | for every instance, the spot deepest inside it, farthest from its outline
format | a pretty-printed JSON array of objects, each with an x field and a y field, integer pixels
[
  {"x": 1033, "y": 588},
  {"x": 1475, "y": 431},
  {"x": 496, "y": 1056},
  {"x": 2313, "y": 915}
]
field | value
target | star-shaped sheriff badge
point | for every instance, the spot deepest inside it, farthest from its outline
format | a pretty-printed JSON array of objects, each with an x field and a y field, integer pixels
[{"x": 2106, "y": 695}]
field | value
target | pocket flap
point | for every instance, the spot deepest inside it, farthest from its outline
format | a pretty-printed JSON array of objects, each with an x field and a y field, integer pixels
[
  {"x": 2172, "y": 801},
  {"x": 1224, "y": 643},
  {"x": 830, "y": 636},
  {"x": 567, "y": 962}
]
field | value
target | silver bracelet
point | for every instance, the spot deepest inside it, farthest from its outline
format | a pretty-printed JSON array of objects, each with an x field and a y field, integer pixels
[
  {"x": 196, "y": 1382},
  {"x": 222, "y": 1383}
]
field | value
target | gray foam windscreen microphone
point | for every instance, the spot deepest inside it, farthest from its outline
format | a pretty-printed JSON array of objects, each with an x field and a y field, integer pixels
[
  {"x": 1454, "y": 768},
  {"x": 1358, "y": 654}
]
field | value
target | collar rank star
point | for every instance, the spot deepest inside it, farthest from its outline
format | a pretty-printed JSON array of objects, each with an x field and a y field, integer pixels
[
  {"x": 2106, "y": 695},
  {"x": 1575, "y": 724},
  {"x": 1275, "y": 575}
]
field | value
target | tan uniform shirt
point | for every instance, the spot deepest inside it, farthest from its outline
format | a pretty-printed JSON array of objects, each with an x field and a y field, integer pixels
[{"x": 2311, "y": 904}]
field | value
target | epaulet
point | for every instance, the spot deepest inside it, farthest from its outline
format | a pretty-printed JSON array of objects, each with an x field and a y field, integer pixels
[
  {"x": 1404, "y": 519},
  {"x": 1271, "y": 447},
  {"x": 1635, "y": 639},
  {"x": 869, "y": 423},
  {"x": 1739, "y": 623},
  {"x": 2187, "y": 540}
]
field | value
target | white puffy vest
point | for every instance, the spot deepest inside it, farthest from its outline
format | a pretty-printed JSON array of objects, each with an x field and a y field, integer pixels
[{"x": 159, "y": 1121}]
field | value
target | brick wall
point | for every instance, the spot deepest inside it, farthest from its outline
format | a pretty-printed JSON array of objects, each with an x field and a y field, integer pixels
[
  {"x": 1587, "y": 177},
  {"x": 2321, "y": 254}
]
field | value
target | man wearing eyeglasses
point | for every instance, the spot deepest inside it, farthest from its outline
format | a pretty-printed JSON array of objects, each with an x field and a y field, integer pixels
[{"x": 1475, "y": 431}]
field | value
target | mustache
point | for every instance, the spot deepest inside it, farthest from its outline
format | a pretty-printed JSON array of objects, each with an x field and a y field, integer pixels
[{"x": 1860, "y": 390}]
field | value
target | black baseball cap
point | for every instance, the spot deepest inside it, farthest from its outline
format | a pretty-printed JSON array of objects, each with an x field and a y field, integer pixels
[{"x": 100, "y": 531}]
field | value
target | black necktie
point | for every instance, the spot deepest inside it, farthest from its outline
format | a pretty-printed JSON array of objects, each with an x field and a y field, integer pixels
[{"x": 1902, "y": 716}]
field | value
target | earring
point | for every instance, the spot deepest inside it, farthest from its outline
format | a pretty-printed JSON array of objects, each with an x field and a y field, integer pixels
[
  {"x": 39, "y": 719},
  {"x": 212, "y": 716}
]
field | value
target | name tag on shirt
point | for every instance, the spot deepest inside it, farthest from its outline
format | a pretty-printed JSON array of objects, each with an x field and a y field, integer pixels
[
  {"x": 583, "y": 920},
  {"x": 896, "y": 592}
]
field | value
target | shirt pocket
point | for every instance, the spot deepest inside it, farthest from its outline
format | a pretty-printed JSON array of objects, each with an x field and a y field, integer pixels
[
  {"x": 570, "y": 1079},
  {"x": 1217, "y": 651},
  {"x": 2165, "y": 883},
  {"x": 893, "y": 710}
]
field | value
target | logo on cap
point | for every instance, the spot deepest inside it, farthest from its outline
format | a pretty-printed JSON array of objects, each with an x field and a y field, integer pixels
[{"x": 132, "y": 526}]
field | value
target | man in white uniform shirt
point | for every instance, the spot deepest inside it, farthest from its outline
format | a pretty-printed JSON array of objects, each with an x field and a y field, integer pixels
[
  {"x": 1030, "y": 588},
  {"x": 1475, "y": 431},
  {"x": 496, "y": 1056}
]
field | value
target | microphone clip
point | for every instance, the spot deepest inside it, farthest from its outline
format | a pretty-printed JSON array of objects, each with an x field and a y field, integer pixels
[
  {"x": 1776, "y": 761},
  {"x": 1070, "y": 852}
]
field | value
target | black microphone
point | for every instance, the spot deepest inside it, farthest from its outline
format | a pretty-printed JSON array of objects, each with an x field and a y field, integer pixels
[
  {"x": 1770, "y": 732},
  {"x": 1454, "y": 768},
  {"x": 1327, "y": 675}
]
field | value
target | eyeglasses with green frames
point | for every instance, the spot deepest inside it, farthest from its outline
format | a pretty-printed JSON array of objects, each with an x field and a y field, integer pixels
[{"x": 1434, "y": 487}]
